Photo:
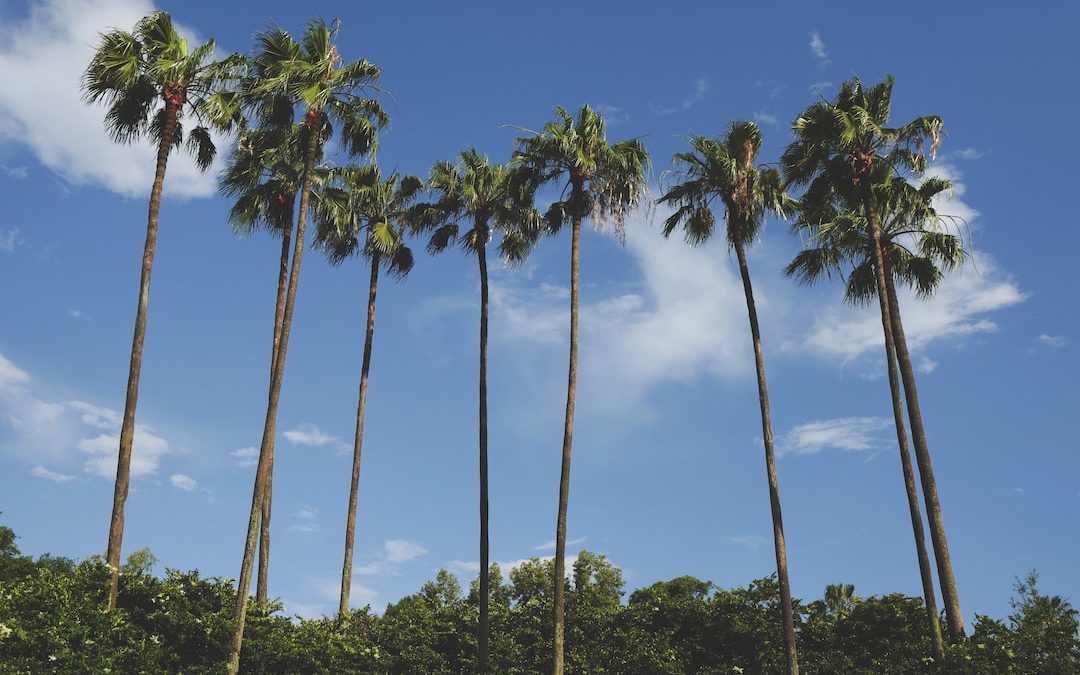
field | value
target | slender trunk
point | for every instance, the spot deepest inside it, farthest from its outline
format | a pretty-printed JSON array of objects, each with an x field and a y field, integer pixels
[
  {"x": 270, "y": 425},
  {"x": 925, "y": 573},
  {"x": 127, "y": 428},
  {"x": 485, "y": 582},
  {"x": 559, "y": 603},
  {"x": 770, "y": 468},
  {"x": 264, "y": 520},
  {"x": 358, "y": 440},
  {"x": 953, "y": 615}
]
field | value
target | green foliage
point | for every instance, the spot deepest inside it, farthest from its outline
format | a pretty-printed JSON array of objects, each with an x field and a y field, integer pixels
[{"x": 51, "y": 620}]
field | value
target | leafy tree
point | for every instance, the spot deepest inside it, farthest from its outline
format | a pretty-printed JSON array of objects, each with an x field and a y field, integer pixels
[
  {"x": 475, "y": 201},
  {"x": 721, "y": 172},
  {"x": 915, "y": 249},
  {"x": 149, "y": 80},
  {"x": 843, "y": 147},
  {"x": 603, "y": 182},
  {"x": 310, "y": 74},
  {"x": 362, "y": 214}
]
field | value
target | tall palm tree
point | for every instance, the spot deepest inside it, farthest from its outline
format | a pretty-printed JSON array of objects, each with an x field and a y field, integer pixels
[
  {"x": 309, "y": 74},
  {"x": 264, "y": 175},
  {"x": 843, "y": 146},
  {"x": 363, "y": 214},
  {"x": 603, "y": 182},
  {"x": 476, "y": 200},
  {"x": 916, "y": 250},
  {"x": 150, "y": 79},
  {"x": 721, "y": 172}
]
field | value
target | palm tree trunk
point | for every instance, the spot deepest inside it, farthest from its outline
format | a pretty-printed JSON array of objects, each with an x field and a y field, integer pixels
[
  {"x": 559, "y": 603},
  {"x": 905, "y": 462},
  {"x": 270, "y": 425},
  {"x": 953, "y": 615},
  {"x": 127, "y": 428},
  {"x": 485, "y": 582},
  {"x": 358, "y": 440},
  {"x": 770, "y": 468},
  {"x": 264, "y": 520}
]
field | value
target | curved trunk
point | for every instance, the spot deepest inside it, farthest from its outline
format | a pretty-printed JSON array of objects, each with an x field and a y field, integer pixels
[
  {"x": 925, "y": 575},
  {"x": 270, "y": 424},
  {"x": 953, "y": 615},
  {"x": 264, "y": 519},
  {"x": 770, "y": 468},
  {"x": 485, "y": 581},
  {"x": 358, "y": 439},
  {"x": 559, "y": 603},
  {"x": 127, "y": 428}
]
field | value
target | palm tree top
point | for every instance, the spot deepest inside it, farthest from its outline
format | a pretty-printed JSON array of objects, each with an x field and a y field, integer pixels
[
  {"x": 723, "y": 169},
  {"x": 480, "y": 198},
  {"x": 605, "y": 181},
  {"x": 142, "y": 73},
  {"x": 361, "y": 213}
]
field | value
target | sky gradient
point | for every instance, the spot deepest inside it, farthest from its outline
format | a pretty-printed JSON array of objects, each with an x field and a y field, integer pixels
[{"x": 668, "y": 475}]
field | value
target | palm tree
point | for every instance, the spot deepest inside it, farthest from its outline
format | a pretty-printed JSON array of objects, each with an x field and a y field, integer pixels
[
  {"x": 916, "y": 250},
  {"x": 840, "y": 599},
  {"x": 481, "y": 199},
  {"x": 722, "y": 172},
  {"x": 310, "y": 74},
  {"x": 362, "y": 214},
  {"x": 264, "y": 175},
  {"x": 844, "y": 147},
  {"x": 601, "y": 181},
  {"x": 150, "y": 79}
]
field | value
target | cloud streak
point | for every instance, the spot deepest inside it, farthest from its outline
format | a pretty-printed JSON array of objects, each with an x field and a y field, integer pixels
[{"x": 846, "y": 433}]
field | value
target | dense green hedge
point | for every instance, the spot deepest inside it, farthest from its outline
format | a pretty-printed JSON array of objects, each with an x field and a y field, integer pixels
[{"x": 52, "y": 621}]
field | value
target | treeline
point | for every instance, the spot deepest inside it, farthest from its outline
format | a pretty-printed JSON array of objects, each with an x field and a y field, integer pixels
[{"x": 51, "y": 621}]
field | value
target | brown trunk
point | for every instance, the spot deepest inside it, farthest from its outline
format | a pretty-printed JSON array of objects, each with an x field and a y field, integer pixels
[
  {"x": 559, "y": 603},
  {"x": 954, "y": 617},
  {"x": 881, "y": 273},
  {"x": 358, "y": 440},
  {"x": 770, "y": 468},
  {"x": 270, "y": 424},
  {"x": 264, "y": 519},
  {"x": 127, "y": 428},
  {"x": 485, "y": 582}
]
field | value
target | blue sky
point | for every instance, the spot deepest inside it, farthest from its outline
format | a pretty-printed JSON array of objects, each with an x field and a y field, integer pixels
[{"x": 668, "y": 475}]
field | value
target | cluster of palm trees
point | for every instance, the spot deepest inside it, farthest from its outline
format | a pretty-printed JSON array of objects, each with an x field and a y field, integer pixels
[{"x": 867, "y": 216}]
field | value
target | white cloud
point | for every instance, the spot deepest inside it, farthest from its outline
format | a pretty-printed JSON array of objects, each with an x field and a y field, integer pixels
[
  {"x": 549, "y": 545},
  {"x": 305, "y": 528},
  {"x": 817, "y": 48},
  {"x": 54, "y": 44},
  {"x": 96, "y": 416},
  {"x": 966, "y": 153},
  {"x": 10, "y": 240},
  {"x": 614, "y": 115},
  {"x": 104, "y": 448},
  {"x": 16, "y": 172},
  {"x": 701, "y": 88},
  {"x": 245, "y": 457},
  {"x": 306, "y": 513},
  {"x": 846, "y": 433},
  {"x": 309, "y": 434},
  {"x": 926, "y": 365},
  {"x": 184, "y": 482},
  {"x": 394, "y": 554},
  {"x": 763, "y": 117},
  {"x": 10, "y": 374},
  {"x": 1052, "y": 341},
  {"x": 819, "y": 88},
  {"x": 74, "y": 313},
  {"x": 473, "y": 566},
  {"x": 41, "y": 472},
  {"x": 747, "y": 541}
]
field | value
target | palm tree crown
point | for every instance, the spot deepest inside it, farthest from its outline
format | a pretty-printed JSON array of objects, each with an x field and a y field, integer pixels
[{"x": 146, "y": 74}]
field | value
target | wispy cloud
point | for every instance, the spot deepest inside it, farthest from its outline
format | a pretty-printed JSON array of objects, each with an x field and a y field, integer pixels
[
  {"x": 773, "y": 87},
  {"x": 747, "y": 541},
  {"x": 926, "y": 365},
  {"x": 701, "y": 88},
  {"x": 60, "y": 478},
  {"x": 184, "y": 482},
  {"x": 10, "y": 240},
  {"x": 550, "y": 544},
  {"x": 394, "y": 555},
  {"x": 817, "y": 48},
  {"x": 966, "y": 154},
  {"x": 820, "y": 88},
  {"x": 245, "y": 457},
  {"x": 1052, "y": 341},
  {"x": 763, "y": 117},
  {"x": 614, "y": 115},
  {"x": 305, "y": 528},
  {"x": 846, "y": 433},
  {"x": 16, "y": 172},
  {"x": 309, "y": 434}
]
